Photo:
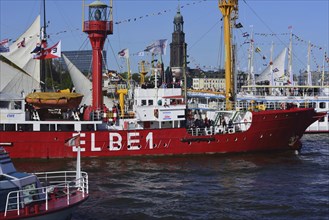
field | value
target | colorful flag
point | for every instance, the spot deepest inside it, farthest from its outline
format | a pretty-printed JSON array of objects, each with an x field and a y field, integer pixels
[
  {"x": 158, "y": 47},
  {"x": 141, "y": 53},
  {"x": 257, "y": 50},
  {"x": 124, "y": 53},
  {"x": 73, "y": 141},
  {"x": 238, "y": 25},
  {"x": 290, "y": 27},
  {"x": 37, "y": 49},
  {"x": 21, "y": 44},
  {"x": 245, "y": 34},
  {"x": 4, "y": 46},
  {"x": 49, "y": 53}
]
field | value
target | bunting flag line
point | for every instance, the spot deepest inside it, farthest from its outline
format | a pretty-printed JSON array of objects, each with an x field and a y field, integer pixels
[
  {"x": 326, "y": 58},
  {"x": 157, "y": 47},
  {"x": 272, "y": 34},
  {"x": 4, "y": 46},
  {"x": 306, "y": 42},
  {"x": 294, "y": 35},
  {"x": 124, "y": 53},
  {"x": 159, "y": 13},
  {"x": 49, "y": 53}
]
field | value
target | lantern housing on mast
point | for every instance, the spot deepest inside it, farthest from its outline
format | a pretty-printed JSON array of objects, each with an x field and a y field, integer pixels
[{"x": 99, "y": 18}]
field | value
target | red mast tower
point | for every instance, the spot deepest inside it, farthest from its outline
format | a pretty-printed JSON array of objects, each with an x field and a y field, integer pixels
[{"x": 98, "y": 26}]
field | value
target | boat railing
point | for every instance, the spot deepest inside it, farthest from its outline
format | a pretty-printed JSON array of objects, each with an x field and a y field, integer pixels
[
  {"x": 55, "y": 185},
  {"x": 284, "y": 91},
  {"x": 219, "y": 129}
]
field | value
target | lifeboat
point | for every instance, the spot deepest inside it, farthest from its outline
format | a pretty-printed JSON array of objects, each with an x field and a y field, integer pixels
[{"x": 54, "y": 100}]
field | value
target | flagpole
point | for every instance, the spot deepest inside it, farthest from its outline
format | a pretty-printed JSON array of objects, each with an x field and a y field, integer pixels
[
  {"x": 128, "y": 69},
  {"x": 78, "y": 166},
  {"x": 309, "y": 77},
  {"x": 162, "y": 70},
  {"x": 251, "y": 59},
  {"x": 291, "y": 76},
  {"x": 43, "y": 62},
  {"x": 271, "y": 65}
]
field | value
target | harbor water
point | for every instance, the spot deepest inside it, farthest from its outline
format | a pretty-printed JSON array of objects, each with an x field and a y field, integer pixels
[{"x": 275, "y": 185}]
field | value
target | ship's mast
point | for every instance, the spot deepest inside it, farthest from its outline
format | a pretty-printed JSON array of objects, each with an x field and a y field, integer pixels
[
  {"x": 291, "y": 76},
  {"x": 98, "y": 26},
  {"x": 251, "y": 75},
  {"x": 43, "y": 39},
  {"x": 271, "y": 65},
  {"x": 227, "y": 7},
  {"x": 309, "y": 77}
]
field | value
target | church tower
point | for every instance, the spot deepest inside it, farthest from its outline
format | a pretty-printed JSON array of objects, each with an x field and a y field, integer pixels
[{"x": 178, "y": 47}]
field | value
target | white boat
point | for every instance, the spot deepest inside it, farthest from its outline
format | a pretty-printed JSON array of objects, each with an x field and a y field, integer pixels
[
  {"x": 281, "y": 96},
  {"x": 46, "y": 195},
  {"x": 280, "y": 91}
]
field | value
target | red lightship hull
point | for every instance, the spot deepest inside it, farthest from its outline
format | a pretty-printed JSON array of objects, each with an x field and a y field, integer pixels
[{"x": 269, "y": 130}]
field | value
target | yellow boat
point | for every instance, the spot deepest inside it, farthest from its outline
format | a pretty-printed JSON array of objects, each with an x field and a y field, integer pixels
[{"x": 54, "y": 100}]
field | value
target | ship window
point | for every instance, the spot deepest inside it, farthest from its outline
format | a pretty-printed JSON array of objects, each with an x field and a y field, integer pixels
[
  {"x": 150, "y": 102},
  {"x": 65, "y": 127},
  {"x": 9, "y": 127},
  {"x": 87, "y": 127},
  {"x": 47, "y": 127},
  {"x": 322, "y": 105},
  {"x": 143, "y": 102},
  {"x": 4, "y": 104},
  {"x": 25, "y": 127},
  {"x": 321, "y": 119}
]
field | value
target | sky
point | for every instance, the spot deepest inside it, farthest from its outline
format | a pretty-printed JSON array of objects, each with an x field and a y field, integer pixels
[{"x": 138, "y": 23}]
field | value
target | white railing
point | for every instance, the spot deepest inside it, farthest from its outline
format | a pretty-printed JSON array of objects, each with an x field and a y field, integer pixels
[
  {"x": 59, "y": 184},
  {"x": 219, "y": 129}
]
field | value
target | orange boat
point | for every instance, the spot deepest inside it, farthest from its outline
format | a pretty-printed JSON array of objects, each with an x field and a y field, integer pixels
[{"x": 55, "y": 100}]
